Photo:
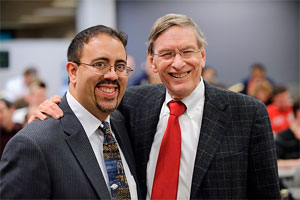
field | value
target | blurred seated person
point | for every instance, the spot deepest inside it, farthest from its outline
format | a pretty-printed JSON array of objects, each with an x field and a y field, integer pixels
[
  {"x": 147, "y": 76},
  {"x": 258, "y": 74},
  {"x": 263, "y": 92},
  {"x": 287, "y": 145},
  {"x": 287, "y": 142},
  {"x": 37, "y": 94},
  {"x": 17, "y": 87},
  {"x": 131, "y": 64},
  {"x": 281, "y": 109},
  {"x": 7, "y": 127},
  {"x": 210, "y": 75}
]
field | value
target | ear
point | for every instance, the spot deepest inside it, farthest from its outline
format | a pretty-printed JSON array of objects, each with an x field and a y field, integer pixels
[
  {"x": 151, "y": 62},
  {"x": 203, "y": 57},
  {"x": 72, "y": 72}
]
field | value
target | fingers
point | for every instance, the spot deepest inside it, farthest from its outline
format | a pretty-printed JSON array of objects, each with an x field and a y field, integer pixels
[
  {"x": 50, "y": 108},
  {"x": 56, "y": 99}
]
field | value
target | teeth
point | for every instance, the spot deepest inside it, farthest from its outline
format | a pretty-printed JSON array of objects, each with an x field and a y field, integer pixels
[
  {"x": 180, "y": 75},
  {"x": 108, "y": 90}
]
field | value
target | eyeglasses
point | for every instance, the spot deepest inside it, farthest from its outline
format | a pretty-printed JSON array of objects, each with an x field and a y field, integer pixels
[
  {"x": 170, "y": 55},
  {"x": 104, "y": 68}
]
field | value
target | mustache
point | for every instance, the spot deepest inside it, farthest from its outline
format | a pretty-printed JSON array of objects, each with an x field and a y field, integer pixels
[{"x": 105, "y": 81}]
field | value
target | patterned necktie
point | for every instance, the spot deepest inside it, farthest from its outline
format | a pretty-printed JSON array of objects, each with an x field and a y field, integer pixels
[
  {"x": 114, "y": 167},
  {"x": 165, "y": 182}
]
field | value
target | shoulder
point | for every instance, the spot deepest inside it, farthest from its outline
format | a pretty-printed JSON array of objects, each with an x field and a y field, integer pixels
[
  {"x": 222, "y": 96},
  {"x": 137, "y": 95},
  {"x": 41, "y": 131},
  {"x": 142, "y": 90},
  {"x": 116, "y": 115}
]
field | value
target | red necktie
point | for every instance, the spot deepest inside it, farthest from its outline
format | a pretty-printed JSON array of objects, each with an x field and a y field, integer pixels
[{"x": 165, "y": 182}]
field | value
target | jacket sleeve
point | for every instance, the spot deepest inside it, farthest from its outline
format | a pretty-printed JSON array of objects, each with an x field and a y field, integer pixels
[
  {"x": 263, "y": 172},
  {"x": 23, "y": 171}
]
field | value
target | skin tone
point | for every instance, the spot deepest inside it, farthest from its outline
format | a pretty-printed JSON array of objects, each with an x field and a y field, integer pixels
[
  {"x": 6, "y": 116},
  {"x": 99, "y": 94},
  {"x": 180, "y": 76},
  {"x": 283, "y": 100}
]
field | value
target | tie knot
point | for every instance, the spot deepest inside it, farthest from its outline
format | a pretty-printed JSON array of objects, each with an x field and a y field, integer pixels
[
  {"x": 104, "y": 127},
  {"x": 177, "y": 108}
]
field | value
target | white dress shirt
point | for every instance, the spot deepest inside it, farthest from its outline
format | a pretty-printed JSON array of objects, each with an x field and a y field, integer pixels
[
  {"x": 190, "y": 125},
  {"x": 90, "y": 125}
]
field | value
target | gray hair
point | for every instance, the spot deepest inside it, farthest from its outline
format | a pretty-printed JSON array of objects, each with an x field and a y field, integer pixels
[{"x": 169, "y": 20}]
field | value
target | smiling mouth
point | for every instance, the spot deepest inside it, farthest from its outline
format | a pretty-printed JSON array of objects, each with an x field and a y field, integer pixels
[
  {"x": 179, "y": 75},
  {"x": 107, "y": 90}
]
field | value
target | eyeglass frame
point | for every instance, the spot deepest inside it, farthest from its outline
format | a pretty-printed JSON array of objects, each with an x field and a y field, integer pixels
[
  {"x": 173, "y": 53},
  {"x": 126, "y": 68}
]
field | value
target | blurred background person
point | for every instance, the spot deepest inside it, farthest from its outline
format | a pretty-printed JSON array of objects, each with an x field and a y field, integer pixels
[
  {"x": 37, "y": 94},
  {"x": 7, "y": 127},
  {"x": 287, "y": 142},
  {"x": 263, "y": 92},
  {"x": 281, "y": 109},
  {"x": 287, "y": 145},
  {"x": 257, "y": 75},
  {"x": 147, "y": 76},
  {"x": 209, "y": 74},
  {"x": 17, "y": 87}
]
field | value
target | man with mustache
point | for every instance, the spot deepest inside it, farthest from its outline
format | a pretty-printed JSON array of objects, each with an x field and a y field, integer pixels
[
  {"x": 190, "y": 139},
  {"x": 86, "y": 154}
]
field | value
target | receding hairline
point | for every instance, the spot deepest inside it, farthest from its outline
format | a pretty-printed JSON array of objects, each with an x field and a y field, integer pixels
[{"x": 165, "y": 22}]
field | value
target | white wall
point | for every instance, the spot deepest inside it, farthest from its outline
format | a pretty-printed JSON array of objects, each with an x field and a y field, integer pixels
[{"x": 49, "y": 56}]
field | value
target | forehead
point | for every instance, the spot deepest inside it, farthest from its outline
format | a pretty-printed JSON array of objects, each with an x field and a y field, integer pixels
[
  {"x": 176, "y": 36},
  {"x": 2, "y": 105},
  {"x": 104, "y": 45}
]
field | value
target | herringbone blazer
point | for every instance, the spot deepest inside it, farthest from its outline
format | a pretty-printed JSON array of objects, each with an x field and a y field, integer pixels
[
  {"x": 235, "y": 157},
  {"x": 53, "y": 159}
]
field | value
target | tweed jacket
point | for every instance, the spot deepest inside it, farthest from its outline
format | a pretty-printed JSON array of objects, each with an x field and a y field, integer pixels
[{"x": 235, "y": 156}]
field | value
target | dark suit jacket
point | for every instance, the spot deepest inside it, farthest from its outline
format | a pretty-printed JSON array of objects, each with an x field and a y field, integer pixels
[
  {"x": 235, "y": 158},
  {"x": 54, "y": 159}
]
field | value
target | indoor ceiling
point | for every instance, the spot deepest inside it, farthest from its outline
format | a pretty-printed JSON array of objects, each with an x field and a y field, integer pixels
[{"x": 27, "y": 17}]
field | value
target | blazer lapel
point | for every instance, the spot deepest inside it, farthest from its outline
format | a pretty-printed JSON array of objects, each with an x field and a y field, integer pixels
[
  {"x": 213, "y": 128},
  {"x": 80, "y": 146},
  {"x": 121, "y": 134}
]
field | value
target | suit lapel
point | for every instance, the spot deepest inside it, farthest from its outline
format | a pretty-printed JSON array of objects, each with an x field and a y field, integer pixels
[
  {"x": 213, "y": 128},
  {"x": 121, "y": 134},
  {"x": 82, "y": 150}
]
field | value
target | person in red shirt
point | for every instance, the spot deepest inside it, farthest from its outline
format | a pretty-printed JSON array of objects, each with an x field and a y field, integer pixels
[{"x": 281, "y": 109}]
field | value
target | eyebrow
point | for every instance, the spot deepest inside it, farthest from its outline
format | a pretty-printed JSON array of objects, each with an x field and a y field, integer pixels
[
  {"x": 184, "y": 48},
  {"x": 107, "y": 60}
]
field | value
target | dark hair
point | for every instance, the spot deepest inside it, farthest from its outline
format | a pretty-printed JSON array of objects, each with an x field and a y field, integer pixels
[
  {"x": 76, "y": 46},
  {"x": 30, "y": 71},
  {"x": 279, "y": 89},
  {"x": 7, "y": 103},
  {"x": 296, "y": 106},
  {"x": 258, "y": 66}
]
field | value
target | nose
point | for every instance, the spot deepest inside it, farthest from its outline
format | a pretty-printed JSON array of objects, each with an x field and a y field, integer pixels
[
  {"x": 112, "y": 74},
  {"x": 178, "y": 62}
]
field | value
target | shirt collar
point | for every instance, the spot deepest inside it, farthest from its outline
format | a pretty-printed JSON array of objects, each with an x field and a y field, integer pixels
[
  {"x": 192, "y": 101},
  {"x": 89, "y": 122}
]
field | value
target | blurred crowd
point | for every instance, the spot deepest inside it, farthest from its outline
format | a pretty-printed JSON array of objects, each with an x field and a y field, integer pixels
[
  {"x": 24, "y": 93},
  {"x": 21, "y": 97}
]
